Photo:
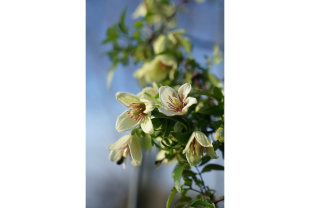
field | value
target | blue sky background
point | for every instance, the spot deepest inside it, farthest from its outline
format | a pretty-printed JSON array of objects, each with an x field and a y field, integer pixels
[{"x": 107, "y": 184}]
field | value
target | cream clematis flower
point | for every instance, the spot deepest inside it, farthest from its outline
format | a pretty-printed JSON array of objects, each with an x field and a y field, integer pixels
[
  {"x": 196, "y": 145},
  {"x": 138, "y": 114},
  {"x": 175, "y": 103},
  {"x": 156, "y": 70},
  {"x": 126, "y": 145}
]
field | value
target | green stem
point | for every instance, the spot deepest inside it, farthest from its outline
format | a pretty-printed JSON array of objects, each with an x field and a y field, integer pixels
[{"x": 203, "y": 183}]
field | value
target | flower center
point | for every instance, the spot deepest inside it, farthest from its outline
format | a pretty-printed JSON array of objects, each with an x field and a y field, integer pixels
[
  {"x": 125, "y": 151},
  {"x": 136, "y": 111},
  {"x": 176, "y": 103},
  {"x": 196, "y": 148}
]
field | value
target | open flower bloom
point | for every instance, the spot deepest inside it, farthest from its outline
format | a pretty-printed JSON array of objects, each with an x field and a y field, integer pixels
[
  {"x": 126, "y": 145},
  {"x": 196, "y": 145},
  {"x": 175, "y": 103},
  {"x": 139, "y": 113}
]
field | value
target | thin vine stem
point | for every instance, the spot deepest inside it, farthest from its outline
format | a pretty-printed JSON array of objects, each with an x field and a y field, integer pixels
[{"x": 203, "y": 183}]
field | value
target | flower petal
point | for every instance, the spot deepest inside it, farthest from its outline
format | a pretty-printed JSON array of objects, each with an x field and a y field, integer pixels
[
  {"x": 190, "y": 101},
  {"x": 124, "y": 123},
  {"x": 135, "y": 152},
  {"x": 149, "y": 106},
  {"x": 115, "y": 155},
  {"x": 140, "y": 11},
  {"x": 126, "y": 98},
  {"x": 185, "y": 89},
  {"x": 149, "y": 90},
  {"x": 147, "y": 125},
  {"x": 189, "y": 143},
  {"x": 120, "y": 143},
  {"x": 166, "y": 111},
  {"x": 203, "y": 139},
  {"x": 193, "y": 159},
  {"x": 164, "y": 93},
  {"x": 211, "y": 153},
  {"x": 157, "y": 71}
]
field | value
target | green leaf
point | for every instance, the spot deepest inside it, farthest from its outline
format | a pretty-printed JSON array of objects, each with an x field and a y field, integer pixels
[
  {"x": 205, "y": 203},
  {"x": 169, "y": 124},
  {"x": 217, "y": 124},
  {"x": 216, "y": 110},
  {"x": 157, "y": 122},
  {"x": 121, "y": 23},
  {"x": 188, "y": 182},
  {"x": 136, "y": 35},
  {"x": 170, "y": 197},
  {"x": 212, "y": 167},
  {"x": 184, "y": 199},
  {"x": 138, "y": 24},
  {"x": 112, "y": 33},
  {"x": 177, "y": 176},
  {"x": 204, "y": 160},
  {"x": 217, "y": 93},
  {"x": 182, "y": 137},
  {"x": 110, "y": 74},
  {"x": 215, "y": 81},
  {"x": 188, "y": 173},
  {"x": 157, "y": 96},
  {"x": 156, "y": 114},
  {"x": 133, "y": 131},
  {"x": 222, "y": 149}
]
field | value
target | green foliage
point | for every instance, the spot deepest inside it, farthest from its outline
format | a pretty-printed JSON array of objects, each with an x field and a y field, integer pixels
[
  {"x": 162, "y": 57},
  {"x": 177, "y": 176},
  {"x": 203, "y": 203},
  {"x": 170, "y": 197},
  {"x": 212, "y": 167}
]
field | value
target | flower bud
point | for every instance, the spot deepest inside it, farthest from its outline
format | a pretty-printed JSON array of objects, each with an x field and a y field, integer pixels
[{"x": 219, "y": 134}]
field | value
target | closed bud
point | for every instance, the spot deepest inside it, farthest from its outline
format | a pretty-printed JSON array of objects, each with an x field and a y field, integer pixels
[{"x": 219, "y": 134}]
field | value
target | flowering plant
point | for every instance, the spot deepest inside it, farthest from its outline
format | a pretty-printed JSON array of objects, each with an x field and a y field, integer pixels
[{"x": 182, "y": 113}]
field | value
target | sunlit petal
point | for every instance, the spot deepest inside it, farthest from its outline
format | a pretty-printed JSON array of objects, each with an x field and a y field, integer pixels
[
  {"x": 166, "y": 111},
  {"x": 124, "y": 123},
  {"x": 115, "y": 155},
  {"x": 147, "y": 125},
  {"x": 189, "y": 143},
  {"x": 211, "y": 153},
  {"x": 164, "y": 93},
  {"x": 135, "y": 151},
  {"x": 120, "y": 143},
  {"x": 193, "y": 159},
  {"x": 126, "y": 98},
  {"x": 190, "y": 101},
  {"x": 185, "y": 89},
  {"x": 203, "y": 139}
]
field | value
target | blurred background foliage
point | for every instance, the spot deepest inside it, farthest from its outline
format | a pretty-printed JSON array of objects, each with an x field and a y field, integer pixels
[{"x": 107, "y": 22}]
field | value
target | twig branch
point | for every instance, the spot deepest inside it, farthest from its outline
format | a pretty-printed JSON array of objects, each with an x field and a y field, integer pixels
[
  {"x": 205, "y": 196},
  {"x": 218, "y": 200}
]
